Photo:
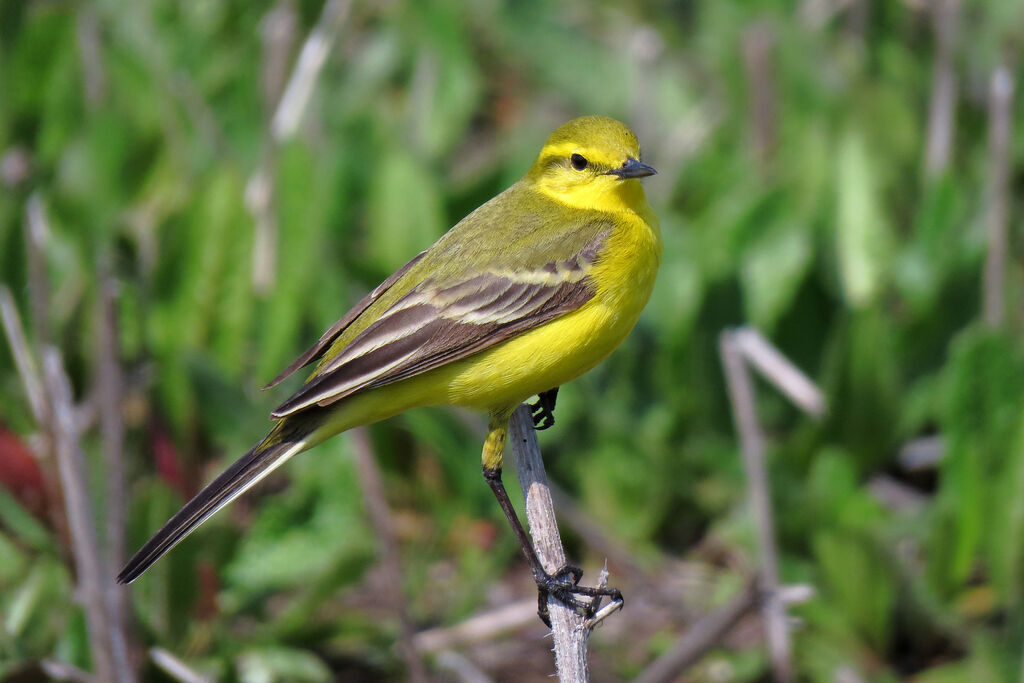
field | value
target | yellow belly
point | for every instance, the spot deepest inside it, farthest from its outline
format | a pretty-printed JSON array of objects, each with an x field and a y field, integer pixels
[
  {"x": 565, "y": 348},
  {"x": 538, "y": 360}
]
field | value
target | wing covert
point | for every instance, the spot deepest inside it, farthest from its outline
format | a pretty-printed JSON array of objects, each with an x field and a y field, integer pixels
[
  {"x": 435, "y": 324},
  {"x": 327, "y": 338}
]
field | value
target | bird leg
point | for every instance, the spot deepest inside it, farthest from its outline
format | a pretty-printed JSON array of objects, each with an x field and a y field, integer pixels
[
  {"x": 563, "y": 583},
  {"x": 543, "y": 411}
]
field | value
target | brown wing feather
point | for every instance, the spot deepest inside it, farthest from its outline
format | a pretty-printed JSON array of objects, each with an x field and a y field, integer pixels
[
  {"x": 432, "y": 326},
  {"x": 327, "y": 338}
]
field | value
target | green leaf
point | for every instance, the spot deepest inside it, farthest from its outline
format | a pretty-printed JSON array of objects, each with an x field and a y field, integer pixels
[
  {"x": 277, "y": 663},
  {"x": 1006, "y": 528},
  {"x": 772, "y": 270},
  {"x": 319, "y": 518},
  {"x": 963, "y": 490},
  {"x": 859, "y": 582},
  {"x": 404, "y": 212},
  {"x": 985, "y": 380},
  {"x": 35, "y": 611},
  {"x": 305, "y": 183},
  {"x": 23, "y": 525},
  {"x": 863, "y": 242}
]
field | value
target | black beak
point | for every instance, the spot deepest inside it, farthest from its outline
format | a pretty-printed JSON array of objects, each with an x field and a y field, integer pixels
[{"x": 632, "y": 169}]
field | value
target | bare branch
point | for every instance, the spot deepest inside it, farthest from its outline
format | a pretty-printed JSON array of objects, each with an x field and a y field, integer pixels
[
  {"x": 175, "y": 668},
  {"x": 277, "y": 33},
  {"x": 923, "y": 453},
  {"x": 478, "y": 628},
  {"x": 758, "y": 43},
  {"x": 109, "y": 384},
  {"x": 259, "y": 200},
  {"x": 741, "y": 396},
  {"x": 896, "y": 495},
  {"x": 461, "y": 668},
  {"x": 62, "y": 671},
  {"x": 603, "y": 612},
  {"x": 778, "y": 370},
  {"x": 945, "y": 15},
  {"x": 87, "y": 30},
  {"x": 700, "y": 638},
  {"x": 15, "y": 167},
  {"x": 23, "y": 359},
  {"x": 998, "y": 201},
  {"x": 37, "y": 234},
  {"x": 644, "y": 47},
  {"x": 109, "y": 654},
  {"x": 35, "y": 390},
  {"x": 109, "y": 388},
  {"x": 307, "y": 69},
  {"x": 569, "y": 629},
  {"x": 846, "y": 673},
  {"x": 796, "y": 593},
  {"x": 380, "y": 515}
]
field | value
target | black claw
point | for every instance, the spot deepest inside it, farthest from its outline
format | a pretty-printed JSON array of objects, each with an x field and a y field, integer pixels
[
  {"x": 543, "y": 410},
  {"x": 569, "y": 569},
  {"x": 567, "y": 593}
]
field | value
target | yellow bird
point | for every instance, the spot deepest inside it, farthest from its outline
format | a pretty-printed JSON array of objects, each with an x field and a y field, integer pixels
[{"x": 527, "y": 292}]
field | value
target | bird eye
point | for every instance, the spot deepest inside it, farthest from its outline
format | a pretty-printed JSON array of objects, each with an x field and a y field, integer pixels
[{"x": 578, "y": 161}]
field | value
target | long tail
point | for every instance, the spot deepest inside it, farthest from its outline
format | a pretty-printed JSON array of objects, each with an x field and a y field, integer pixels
[{"x": 288, "y": 438}]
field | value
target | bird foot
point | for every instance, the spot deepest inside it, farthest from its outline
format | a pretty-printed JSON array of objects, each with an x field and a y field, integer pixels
[
  {"x": 564, "y": 585},
  {"x": 543, "y": 411}
]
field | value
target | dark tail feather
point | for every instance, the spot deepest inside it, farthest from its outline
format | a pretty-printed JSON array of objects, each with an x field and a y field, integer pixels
[{"x": 287, "y": 439}]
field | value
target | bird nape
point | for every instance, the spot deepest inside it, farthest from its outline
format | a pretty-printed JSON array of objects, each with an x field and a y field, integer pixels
[{"x": 526, "y": 293}]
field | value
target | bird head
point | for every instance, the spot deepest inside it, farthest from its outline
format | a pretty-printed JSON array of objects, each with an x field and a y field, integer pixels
[{"x": 590, "y": 161}]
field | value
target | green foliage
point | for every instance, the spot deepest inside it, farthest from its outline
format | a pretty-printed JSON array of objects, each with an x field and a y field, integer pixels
[{"x": 143, "y": 141}]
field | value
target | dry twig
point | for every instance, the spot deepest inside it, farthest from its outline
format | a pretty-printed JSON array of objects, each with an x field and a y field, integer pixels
[
  {"x": 23, "y": 359},
  {"x": 777, "y": 369},
  {"x": 758, "y": 44},
  {"x": 52, "y": 405},
  {"x": 380, "y": 516},
  {"x": 569, "y": 629},
  {"x": 998, "y": 201},
  {"x": 62, "y": 671},
  {"x": 478, "y": 628},
  {"x": 277, "y": 32},
  {"x": 738, "y": 348},
  {"x": 87, "y": 30},
  {"x": 700, "y": 638},
  {"x": 109, "y": 389},
  {"x": 106, "y": 640},
  {"x": 741, "y": 395},
  {"x": 174, "y": 667},
  {"x": 32, "y": 381},
  {"x": 307, "y": 69},
  {"x": 945, "y": 15},
  {"x": 923, "y": 453},
  {"x": 37, "y": 234},
  {"x": 461, "y": 668}
]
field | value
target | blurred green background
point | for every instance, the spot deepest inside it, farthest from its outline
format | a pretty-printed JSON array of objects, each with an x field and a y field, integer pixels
[{"x": 839, "y": 174}]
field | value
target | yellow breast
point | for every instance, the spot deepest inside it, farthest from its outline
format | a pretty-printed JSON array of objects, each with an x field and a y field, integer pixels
[
  {"x": 566, "y": 347},
  {"x": 543, "y": 358}
]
